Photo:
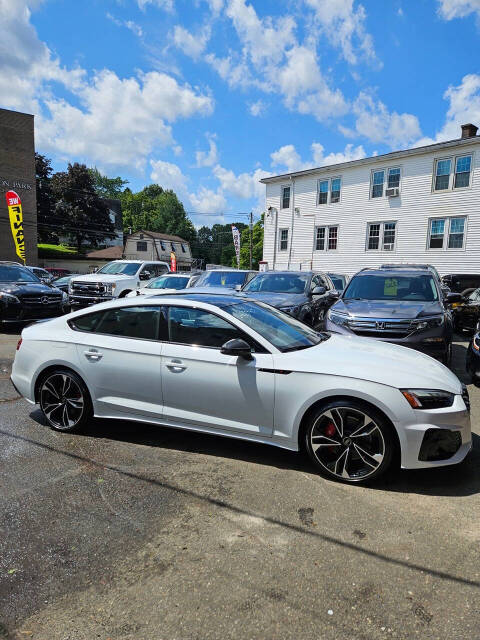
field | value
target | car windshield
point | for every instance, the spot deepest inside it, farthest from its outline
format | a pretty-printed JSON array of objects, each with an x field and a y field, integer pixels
[
  {"x": 14, "y": 273},
  {"x": 228, "y": 279},
  {"x": 114, "y": 268},
  {"x": 64, "y": 280},
  {"x": 168, "y": 282},
  {"x": 280, "y": 329},
  {"x": 338, "y": 281},
  {"x": 278, "y": 283},
  {"x": 416, "y": 287}
]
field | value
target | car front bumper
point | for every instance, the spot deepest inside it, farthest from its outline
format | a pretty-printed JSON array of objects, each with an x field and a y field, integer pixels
[{"x": 86, "y": 301}]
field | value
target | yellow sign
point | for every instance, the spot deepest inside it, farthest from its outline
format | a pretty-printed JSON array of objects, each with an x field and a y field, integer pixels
[
  {"x": 15, "y": 214},
  {"x": 391, "y": 287}
]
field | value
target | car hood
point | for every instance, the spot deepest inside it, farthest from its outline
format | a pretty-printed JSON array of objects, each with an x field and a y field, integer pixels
[
  {"x": 145, "y": 291},
  {"x": 101, "y": 277},
  {"x": 278, "y": 299},
  {"x": 372, "y": 360},
  {"x": 19, "y": 288},
  {"x": 388, "y": 308}
]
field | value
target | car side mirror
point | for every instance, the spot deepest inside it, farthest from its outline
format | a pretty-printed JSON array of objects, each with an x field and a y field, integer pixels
[
  {"x": 238, "y": 287},
  {"x": 453, "y": 297},
  {"x": 145, "y": 275},
  {"x": 237, "y": 347},
  {"x": 335, "y": 293},
  {"x": 319, "y": 291}
]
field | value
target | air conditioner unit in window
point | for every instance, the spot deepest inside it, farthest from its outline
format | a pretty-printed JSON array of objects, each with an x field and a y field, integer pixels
[{"x": 391, "y": 193}]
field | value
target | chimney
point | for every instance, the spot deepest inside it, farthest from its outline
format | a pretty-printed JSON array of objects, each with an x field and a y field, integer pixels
[{"x": 469, "y": 130}]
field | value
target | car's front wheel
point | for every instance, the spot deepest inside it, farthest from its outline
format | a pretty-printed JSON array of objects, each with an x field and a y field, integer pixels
[
  {"x": 64, "y": 400},
  {"x": 349, "y": 441}
]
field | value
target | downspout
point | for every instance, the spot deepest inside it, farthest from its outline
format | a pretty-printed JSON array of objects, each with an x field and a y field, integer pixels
[{"x": 292, "y": 206}]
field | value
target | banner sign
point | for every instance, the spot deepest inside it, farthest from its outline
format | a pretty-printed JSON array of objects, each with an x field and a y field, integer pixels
[
  {"x": 15, "y": 214},
  {"x": 173, "y": 262},
  {"x": 236, "y": 243}
]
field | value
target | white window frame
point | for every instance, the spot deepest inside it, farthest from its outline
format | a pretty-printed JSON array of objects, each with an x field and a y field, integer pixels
[
  {"x": 280, "y": 238},
  {"x": 381, "y": 236},
  {"x": 282, "y": 187},
  {"x": 451, "y": 176},
  {"x": 446, "y": 233},
  {"x": 327, "y": 228},
  {"x": 386, "y": 173},
  {"x": 329, "y": 192}
]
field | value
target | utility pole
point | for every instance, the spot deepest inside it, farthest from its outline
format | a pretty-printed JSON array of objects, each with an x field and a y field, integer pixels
[{"x": 251, "y": 238}]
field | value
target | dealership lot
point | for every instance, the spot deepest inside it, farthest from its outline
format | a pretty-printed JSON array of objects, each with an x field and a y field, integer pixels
[{"x": 130, "y": 531}]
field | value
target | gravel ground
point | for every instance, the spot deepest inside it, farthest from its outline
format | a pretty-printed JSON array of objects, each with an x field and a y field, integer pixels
[{"x": 131, "y": 532}]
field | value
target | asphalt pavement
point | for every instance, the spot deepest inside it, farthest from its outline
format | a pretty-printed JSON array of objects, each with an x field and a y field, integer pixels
[{"x": 134, "y": 532}]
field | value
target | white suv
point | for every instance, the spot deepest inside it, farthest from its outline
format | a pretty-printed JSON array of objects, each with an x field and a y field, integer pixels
[{"x": 114, "y": 280}]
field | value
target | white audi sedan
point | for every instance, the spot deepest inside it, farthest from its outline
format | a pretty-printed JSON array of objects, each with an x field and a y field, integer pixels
[
  {"x": 236, "y": 367},
  {"x": 167, "y": 283}
]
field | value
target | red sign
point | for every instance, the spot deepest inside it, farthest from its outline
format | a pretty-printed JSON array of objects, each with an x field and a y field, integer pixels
[{"x": 173, "y": 262}]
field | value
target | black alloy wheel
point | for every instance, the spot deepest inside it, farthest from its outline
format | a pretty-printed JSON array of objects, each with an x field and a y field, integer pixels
[
  {"x": 349, "y": 441},
  {"x": 64, "y": 400}
]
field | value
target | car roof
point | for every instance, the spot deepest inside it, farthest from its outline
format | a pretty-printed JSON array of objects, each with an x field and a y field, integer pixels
[
  {"x": 414, "y": 271},
  {"x": 229, "y": 270},
  {"x": 290, "y": 273}
]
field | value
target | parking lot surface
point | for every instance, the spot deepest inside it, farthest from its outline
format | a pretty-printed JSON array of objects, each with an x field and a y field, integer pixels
[{"x": 134, "y": 532}]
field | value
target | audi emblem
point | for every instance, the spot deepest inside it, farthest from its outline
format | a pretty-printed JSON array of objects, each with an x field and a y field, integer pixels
[{"x": 380, "y": 326}]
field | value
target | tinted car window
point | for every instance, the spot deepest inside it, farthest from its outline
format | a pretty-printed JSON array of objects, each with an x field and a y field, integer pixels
[
  {"x": 278, "y": 283},
  {"x": 199, "y": 327},
  {"x": 131, "y": 322},
  {"x": 169, "y": 282},
  {"x": 221, "y": 279},
  {"x": 338, "y": 281},
  {"x": 87, "y": 322},
  {"x": 421, "y": 288},
  {"x": 14, "y": 273}
]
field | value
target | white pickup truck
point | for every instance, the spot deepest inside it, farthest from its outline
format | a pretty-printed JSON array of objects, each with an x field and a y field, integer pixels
[{"x": 114, "y": 280}]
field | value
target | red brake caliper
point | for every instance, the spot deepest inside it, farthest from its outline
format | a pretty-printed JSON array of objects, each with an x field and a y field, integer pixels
[{"x": 330, "y": 430}]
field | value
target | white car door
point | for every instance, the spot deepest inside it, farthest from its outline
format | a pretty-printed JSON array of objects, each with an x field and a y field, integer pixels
[
  {"x": 119, "y": 354},
  {"x": 203, "y": 387}
]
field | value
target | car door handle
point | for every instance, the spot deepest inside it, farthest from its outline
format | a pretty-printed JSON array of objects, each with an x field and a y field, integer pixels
[
  {"x": 93, "y": 355},
  {"x": 176, "y": 365}
]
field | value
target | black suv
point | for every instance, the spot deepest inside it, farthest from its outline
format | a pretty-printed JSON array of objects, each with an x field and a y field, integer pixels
[
  {"x": 305, "y": 295},
  {"x": 404, "y": 306},
  {"x": 463, "y": 283},
  {"x": 23, "y": 298}
]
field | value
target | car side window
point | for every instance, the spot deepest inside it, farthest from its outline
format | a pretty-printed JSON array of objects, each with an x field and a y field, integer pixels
[
  {"x": 129, "y": 322},
  {"x": 197, "y": 327},
  {"x": 318, "y": 281},
  {"x": 88, "y": 322}
]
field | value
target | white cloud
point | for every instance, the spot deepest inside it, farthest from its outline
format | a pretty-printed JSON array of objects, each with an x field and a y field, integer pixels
[
  {"x": 450, "y": 9},
  {"x": 376, "y": 123},
  {"x": 208, "y": 201},
  {"x": 168, "y": 176},
  {"x": 167, "y": 5},
  {"x": 343, "y": 24},
  {"x": 210, "y": 157},
  {"x": 243, "y": 185},
  {"x": 192, "y": 45},
  {"x": 129, "y": 24},
  {"x": 288, "y": 157},
  {"x": 257, "y": 108},
  {"x": 464, "y": 107}
]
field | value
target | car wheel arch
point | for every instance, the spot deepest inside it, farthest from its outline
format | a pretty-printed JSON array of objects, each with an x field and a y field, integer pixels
[
  {"x": 55, "y": 367},
  {"x": 125, "y": 293},
  {"x": 319, "y": 403}
]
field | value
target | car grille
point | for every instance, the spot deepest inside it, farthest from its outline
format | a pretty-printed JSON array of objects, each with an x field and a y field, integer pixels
[
  {"x": 466, "y": 396},
  {"x": 88, "y": 289},
  {"x": 39, "y": 300},
  {"x": 381, "y": 328}
]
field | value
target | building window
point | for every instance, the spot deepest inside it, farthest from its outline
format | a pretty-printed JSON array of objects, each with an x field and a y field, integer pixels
[
  {"x": 447, "y": 233},
  {"x": 283, "y": 240},
  {"x": 162, "y": 245},
  {"x": 462, "y": 171},
  {"x": 381, "y": 235},
  {"x": 330, "y": 186},
  {"x": 173, "y": 247},
  {"x": 285, "y": 197},
  {"x": 141, "y": 245},
  {"x": 378, "y": 179},
  {"x": 444, "y": 180},
  {"x": 183, "y": 248},
  {"x": 326, "y": 238},
  {"x": 320, "y": 239},
  {"x": 393, "y": 178}
]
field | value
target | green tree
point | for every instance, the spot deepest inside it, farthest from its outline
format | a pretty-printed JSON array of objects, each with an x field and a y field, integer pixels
[
  {"x": 47, "y": 226},
  {"x": 215, "y": 244},
  {"x": 81, "y": 214},
  {"x": 107, "y": 187},
  {"x": 257, "y": 249}
]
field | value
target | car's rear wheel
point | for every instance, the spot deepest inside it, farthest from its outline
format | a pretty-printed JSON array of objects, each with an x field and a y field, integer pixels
[
  {"x": 349, "y": 441},
  {"x": 64, "y": 400}
]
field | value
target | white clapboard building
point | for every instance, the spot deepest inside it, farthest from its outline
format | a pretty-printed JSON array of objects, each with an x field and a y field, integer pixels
[{"x": 419, "y": 205}]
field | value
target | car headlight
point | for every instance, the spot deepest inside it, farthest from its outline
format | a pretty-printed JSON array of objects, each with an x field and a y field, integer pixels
[
  {"x": 109, "y": 287},
  {"x": 9, "y": 298},
  {"x": 428, "y": 398},
  {"x": 290, "y": 310},
  {"x": 338, "y": 318},
  {"x": 428, "y": 323},
  {"x": 64, "y": 297}
]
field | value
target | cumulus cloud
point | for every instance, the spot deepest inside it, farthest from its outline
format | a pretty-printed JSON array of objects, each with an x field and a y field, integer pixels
[
  {"x": 376, "y": 123},
  {"x": 289, "y": 158},
  {"x": 210, "y": 157},
  {"x": 450, "y": 9},
  {"x": 192, "y": 44},
  {"x": 208, "y": 201},
  {"x": 257, "y": 108},
  {"x": 168, "y": 176}
]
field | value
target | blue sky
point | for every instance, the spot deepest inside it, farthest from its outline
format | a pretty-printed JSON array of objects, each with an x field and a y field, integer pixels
[{"x": 208, "y": 96}]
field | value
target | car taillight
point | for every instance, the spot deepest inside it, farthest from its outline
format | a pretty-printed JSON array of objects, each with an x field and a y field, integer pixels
[{"x": 19, "y": 344}]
